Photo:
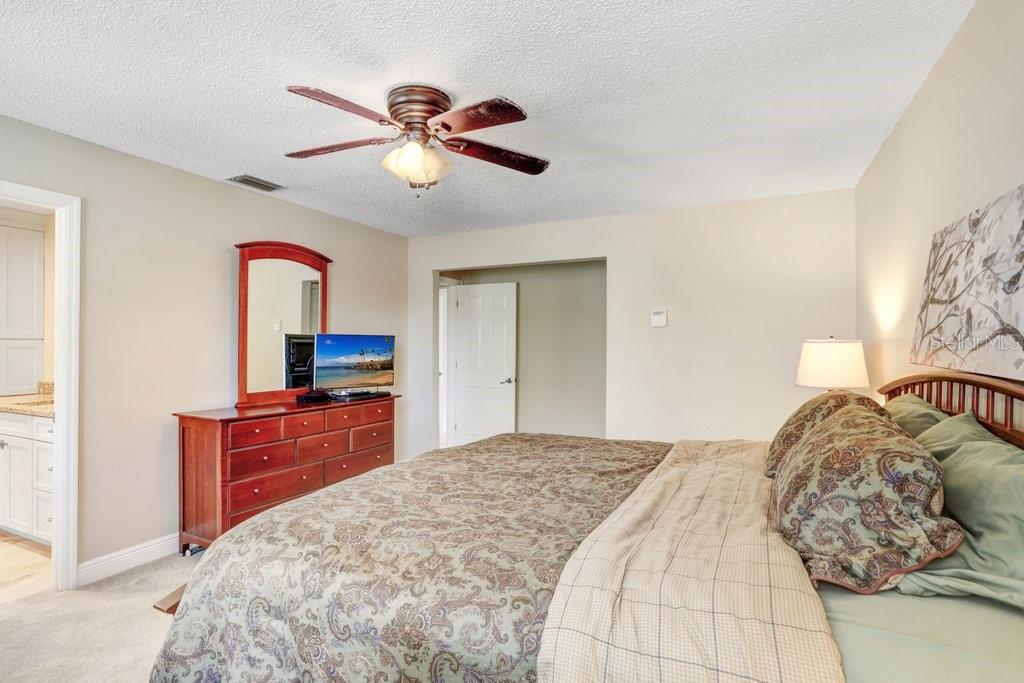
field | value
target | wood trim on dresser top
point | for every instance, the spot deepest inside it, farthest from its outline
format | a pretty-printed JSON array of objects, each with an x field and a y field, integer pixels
[
  {"x": 991, "y": 399},
  {"x": 237, "y": 462}
]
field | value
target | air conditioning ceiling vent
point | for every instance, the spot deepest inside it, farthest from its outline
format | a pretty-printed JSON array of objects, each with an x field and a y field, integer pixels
[{"x": 255, "y": 183}]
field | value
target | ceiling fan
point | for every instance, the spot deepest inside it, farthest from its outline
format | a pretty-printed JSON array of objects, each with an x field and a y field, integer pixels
[{"x": 422, "y": 114}]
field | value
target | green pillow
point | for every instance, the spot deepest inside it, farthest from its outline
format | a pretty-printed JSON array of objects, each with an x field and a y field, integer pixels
[
  {"x": 913, "y": 413},
  {"x": 947, "y": 436},
  {"x": 984, "y": 490}
]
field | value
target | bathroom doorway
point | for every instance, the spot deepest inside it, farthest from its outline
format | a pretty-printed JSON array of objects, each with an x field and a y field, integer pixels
[{"x": 40, "y": 256}]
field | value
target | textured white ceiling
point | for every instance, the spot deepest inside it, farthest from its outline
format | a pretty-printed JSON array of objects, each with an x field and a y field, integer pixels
[{"x": 637, "y": 105}]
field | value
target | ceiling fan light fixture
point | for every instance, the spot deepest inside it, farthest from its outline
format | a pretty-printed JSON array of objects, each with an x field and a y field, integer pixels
[{"x": 417, "y": 164}]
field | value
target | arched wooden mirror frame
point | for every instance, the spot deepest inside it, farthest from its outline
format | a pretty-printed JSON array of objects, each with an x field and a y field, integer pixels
[{"x": 252, "y": 251}]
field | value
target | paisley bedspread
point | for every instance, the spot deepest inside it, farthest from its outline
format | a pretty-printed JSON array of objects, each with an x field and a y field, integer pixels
[{"x": 438, "y": 568}]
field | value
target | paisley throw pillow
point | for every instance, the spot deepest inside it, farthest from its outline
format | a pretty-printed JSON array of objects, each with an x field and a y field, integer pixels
[
  {"x": 807, "y": 416},
  {"x": 861, "y": 502}
]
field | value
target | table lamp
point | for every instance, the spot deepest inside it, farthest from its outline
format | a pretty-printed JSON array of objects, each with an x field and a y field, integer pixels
[{"x": 832, "y": 364}]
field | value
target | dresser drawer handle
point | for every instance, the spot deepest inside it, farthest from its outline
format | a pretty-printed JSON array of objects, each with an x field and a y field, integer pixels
[
  {"x": 256, "y": 431},
  {"x": 304, "y": 477},
  {"x": 379, "y": 410},
  {"x": 327, "y": 445},
  {"x": 255, "y": 490},
  {"x": 344, "y": 467},
  {"x": 305, "y": 423},
  {"x": 373, "y": 434},
  {"x": 378, "y": 457},
  {"x": 266, "y": 458}
]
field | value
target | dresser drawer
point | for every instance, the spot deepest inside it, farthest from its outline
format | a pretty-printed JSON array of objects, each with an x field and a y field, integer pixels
[
  {"x": 378, "y": 412},
  {"x": 252, "y": 432},
  {"x": 274, "y": 487},
  {"x": 371, "y": 435},
  {"x": 326, "y": 445},
  {"x": 343, "y": 418},
  {"x": 42, "y": 467},
  {"x": 42, "y": 515},
  {"x": 238, "y": 518},
  {"x": 250, "y": 461},
  {"x": 42, "y": 429},
  {"x": 350, "y": 465},
  {"x": 12, "y": 424},
  {"x": 303, "y": 424}
]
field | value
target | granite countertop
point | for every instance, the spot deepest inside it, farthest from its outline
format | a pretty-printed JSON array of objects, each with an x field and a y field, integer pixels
[{"x": 37, "y": 405}]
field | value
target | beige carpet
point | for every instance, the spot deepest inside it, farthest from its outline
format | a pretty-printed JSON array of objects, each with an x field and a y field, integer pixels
[{"x": 106, "y": 631}]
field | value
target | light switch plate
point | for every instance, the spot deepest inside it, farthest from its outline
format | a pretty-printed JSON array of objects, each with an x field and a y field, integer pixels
[{"x": 659, "y": 317}]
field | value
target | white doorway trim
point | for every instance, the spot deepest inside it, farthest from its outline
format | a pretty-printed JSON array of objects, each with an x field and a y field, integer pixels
[{"x": 67, "y": 283}]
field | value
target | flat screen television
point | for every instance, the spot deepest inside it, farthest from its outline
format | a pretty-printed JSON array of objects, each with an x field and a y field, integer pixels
[{"x": 353, "y": 361}]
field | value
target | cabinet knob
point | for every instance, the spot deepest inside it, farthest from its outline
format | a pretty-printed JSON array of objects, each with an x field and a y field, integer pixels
[
  {"x": 49, "y": 519},
  {"x": 344, "y": 467},
  {"x": 326, "y": 445},
  {"x": 50, "y": 468},
  {"x": 256, "y": 431},
  {"x": 305, "y": 423},
  {"x": 373, "y": 434},
  {"x": 255, "y": 490},
  {"x": 266, "y": 458},
  {"x": 304, "y": 477},
  {"x": 378, "y": 457},
  {"x": 379, "y": 410}
]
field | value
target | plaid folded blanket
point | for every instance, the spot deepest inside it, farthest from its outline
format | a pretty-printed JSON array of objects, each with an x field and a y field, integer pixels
[{"x": 689, "y": 580}]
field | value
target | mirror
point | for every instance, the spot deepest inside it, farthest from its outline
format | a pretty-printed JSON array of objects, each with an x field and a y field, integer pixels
[
  {"x": 284, "y": 312},
  {"x": 282, "y": 304}
]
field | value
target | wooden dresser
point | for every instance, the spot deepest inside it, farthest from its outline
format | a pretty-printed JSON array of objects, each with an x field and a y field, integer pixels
[{"x": 237, "y": 462}]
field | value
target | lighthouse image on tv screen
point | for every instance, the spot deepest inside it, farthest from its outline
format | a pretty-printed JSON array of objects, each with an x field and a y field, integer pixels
[{"x": 353, "y": 361}]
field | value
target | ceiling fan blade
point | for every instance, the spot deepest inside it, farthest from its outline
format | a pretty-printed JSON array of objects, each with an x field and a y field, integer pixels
[
  {"x": 341, "y": 146},
  {"x": 350, "y": 107},
  {"x": 517, "y": 161},
  {"x": 496, "y": 112}
]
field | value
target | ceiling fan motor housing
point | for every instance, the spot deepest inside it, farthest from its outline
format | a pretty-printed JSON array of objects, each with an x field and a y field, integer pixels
[{"x": 414, "y": 105}]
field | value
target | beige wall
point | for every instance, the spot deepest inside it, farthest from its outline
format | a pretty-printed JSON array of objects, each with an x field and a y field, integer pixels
[
  {"x": 959, "y": 145},
  {"x": 159, "y": 323},
  {"x": 560, "y": 345},
  {"x": 743, "y": 282}
]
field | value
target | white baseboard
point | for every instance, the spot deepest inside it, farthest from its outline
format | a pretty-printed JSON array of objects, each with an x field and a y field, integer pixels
[{"x": 126, "y": 559}]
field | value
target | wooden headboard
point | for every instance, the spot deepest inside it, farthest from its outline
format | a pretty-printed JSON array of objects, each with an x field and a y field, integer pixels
[{"x": 991, "y": 399}]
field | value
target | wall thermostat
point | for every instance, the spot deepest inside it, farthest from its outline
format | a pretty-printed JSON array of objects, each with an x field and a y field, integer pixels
[{"x": 659, "y": 317}]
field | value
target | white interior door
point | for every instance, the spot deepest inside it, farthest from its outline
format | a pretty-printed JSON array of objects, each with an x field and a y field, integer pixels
[{"x": 482, "y": 342}]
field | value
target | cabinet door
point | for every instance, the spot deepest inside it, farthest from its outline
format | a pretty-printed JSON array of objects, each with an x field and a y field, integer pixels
[
  {"x": 16, "y": 480},
  {"x": 21, "y": 366},
  {"x": 21, "y": 283},
  {"x": 42, "y": 466},
  {"x": 42, "y": 515}
]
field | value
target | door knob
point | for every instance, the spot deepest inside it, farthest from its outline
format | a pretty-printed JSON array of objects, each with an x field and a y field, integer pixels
[{"x": 507, "y": 380}]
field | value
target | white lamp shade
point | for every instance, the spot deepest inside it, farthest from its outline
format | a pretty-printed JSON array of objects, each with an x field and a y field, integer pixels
[
  {"x": 417, "y": 164},
  {"x": 832, "y": 364}
]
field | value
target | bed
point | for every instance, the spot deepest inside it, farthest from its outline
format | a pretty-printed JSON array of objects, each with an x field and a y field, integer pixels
[{"x": 532, "y": 556}]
